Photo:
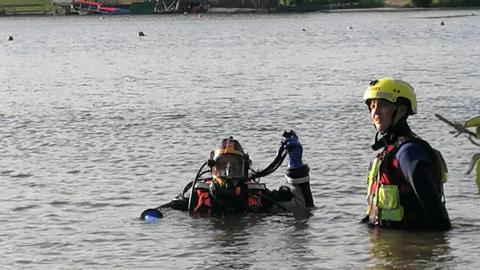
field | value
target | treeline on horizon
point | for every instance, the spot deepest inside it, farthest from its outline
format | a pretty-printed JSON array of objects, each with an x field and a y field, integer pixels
[{"x": 46, "y": 6}]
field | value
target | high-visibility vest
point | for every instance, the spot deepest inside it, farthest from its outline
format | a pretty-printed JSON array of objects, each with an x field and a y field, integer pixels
[{"x": 385, "y": 183}]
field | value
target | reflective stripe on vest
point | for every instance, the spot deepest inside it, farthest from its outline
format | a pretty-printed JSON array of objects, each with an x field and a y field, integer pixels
[{"x": 383, "y": 200}]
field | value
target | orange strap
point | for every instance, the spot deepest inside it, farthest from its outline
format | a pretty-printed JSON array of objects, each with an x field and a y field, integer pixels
[{"x": 203, "y": 199}]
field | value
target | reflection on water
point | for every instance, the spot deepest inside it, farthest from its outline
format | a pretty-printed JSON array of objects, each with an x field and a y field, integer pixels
[
  {"x": 232, "y": 241},
  {"x": 245, "y": 241},
  {"x": 396, "y": 249}
]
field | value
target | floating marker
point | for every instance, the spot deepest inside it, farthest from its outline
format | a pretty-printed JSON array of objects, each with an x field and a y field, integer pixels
[{"x": 151, "y": 215}]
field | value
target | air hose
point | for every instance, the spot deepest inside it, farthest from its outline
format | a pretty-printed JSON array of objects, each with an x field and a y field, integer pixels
[{"x": 273, "y": 166}]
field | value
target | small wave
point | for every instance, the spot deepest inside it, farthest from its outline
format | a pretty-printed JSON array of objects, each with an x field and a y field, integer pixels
[
  {"x": 59, "y": 203},
  {"x": 174, "y": 116},
  {"x": 92, "y": 205},
  {"x": 466, "y": 225},
  {"x": 23, "y": 208},
  {"x": 125, "y": 205},
  {"x": 6, "y": 172},
  {"x": 121, "y": 198},
  {"x": 118, "y": 118},
  {"x": 21, "y": 175}
]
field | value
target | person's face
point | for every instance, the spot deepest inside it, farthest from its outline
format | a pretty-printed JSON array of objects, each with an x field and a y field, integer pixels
[{"x": 381, "y": 112}]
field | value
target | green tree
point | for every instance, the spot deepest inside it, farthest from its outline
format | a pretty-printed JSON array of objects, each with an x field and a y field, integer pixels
[{"x": 421, "y": 3}]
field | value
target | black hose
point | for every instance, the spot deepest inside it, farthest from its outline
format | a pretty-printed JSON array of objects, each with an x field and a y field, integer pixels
[
  {"x": 190, "y": 184},
  {"x": 273, "y": 201},
  {"x": 273, "y": 166},
  {"x": 279, "y": 158}
]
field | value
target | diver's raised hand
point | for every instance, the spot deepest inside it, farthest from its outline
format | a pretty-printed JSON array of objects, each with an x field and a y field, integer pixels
[{"x": 294, "y": 149}]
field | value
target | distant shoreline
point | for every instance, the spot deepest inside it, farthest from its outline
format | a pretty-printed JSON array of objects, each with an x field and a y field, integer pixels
[
  {"x": 220, "y": 10},
  {"x": 342, "y": 10}
]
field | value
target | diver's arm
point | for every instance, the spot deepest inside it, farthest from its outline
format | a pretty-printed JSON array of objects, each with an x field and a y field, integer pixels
[
  {"x": 293, "y": 196},
  {"x": 152, "y": 215},
  {"x": 417, "y": 168},
  {"x": 178, "y": 203},
  {"x": 299, "y": 179},
  {"x": 298, "y": 174}
]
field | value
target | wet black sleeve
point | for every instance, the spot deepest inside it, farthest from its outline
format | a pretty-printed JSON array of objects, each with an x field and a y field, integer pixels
[
  {"x": 281, "y": 195},
  {"x": 179, "y": 203},
  {"x": 417, "y": 168}
]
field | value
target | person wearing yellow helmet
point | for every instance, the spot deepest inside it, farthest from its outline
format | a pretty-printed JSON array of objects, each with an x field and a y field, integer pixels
[
  {"x": 231, "y": 185},
  {"x": 405, "y": 180}
]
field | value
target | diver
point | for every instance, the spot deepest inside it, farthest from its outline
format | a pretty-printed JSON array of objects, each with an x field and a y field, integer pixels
[
  {"x": 405, "y": 180},
  {"x": 232, "y": 186}
]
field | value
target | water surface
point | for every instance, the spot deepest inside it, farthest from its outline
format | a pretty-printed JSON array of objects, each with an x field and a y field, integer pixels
[{"x": 98, "y": 124}]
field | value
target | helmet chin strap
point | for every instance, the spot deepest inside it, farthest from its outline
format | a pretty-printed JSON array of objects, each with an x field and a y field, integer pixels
[{"x": 390, "y": 134}]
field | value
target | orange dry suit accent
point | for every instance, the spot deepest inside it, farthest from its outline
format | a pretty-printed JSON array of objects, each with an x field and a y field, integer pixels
[
  {"x": 205, "y": 203},
  {"x": 203, "y": 199},
  {"x": 389, "y": 192}
]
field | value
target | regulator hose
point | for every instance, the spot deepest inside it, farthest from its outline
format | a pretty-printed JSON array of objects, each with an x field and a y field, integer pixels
[{"x": 281, "y": 154}]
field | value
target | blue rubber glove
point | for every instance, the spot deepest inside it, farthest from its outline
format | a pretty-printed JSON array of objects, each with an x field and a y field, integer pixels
[{"x": 295, "y": 150}]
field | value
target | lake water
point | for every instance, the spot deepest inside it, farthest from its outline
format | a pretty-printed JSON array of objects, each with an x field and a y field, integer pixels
[{"x": 97, "y": 124}]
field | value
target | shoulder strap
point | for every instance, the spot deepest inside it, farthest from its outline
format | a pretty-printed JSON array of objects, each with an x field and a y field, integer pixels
[{"x": 441, "y": 170}]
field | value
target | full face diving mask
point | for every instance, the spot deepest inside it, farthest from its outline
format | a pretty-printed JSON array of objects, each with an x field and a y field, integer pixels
[
  {"x": 229, "y": 164},
  {"x": 229, "y": 169}
]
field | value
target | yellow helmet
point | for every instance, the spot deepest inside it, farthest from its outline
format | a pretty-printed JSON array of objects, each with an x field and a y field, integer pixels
[{"x": 391, "y": 89}]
